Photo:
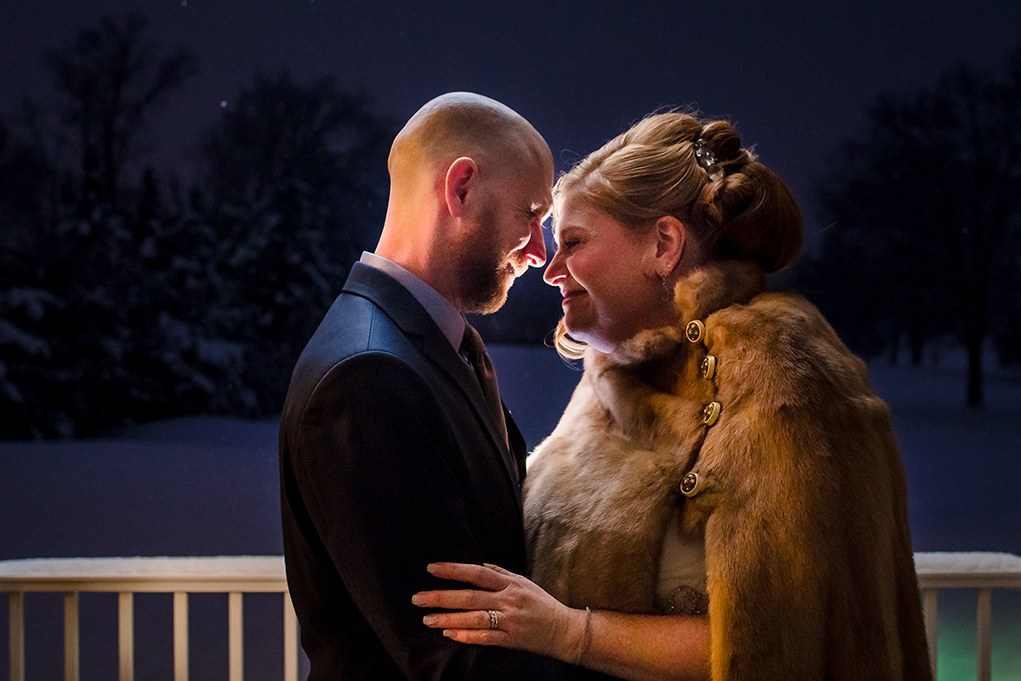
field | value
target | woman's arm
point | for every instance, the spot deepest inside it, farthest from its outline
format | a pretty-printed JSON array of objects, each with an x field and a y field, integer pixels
[{"x": 636, "y": 647}]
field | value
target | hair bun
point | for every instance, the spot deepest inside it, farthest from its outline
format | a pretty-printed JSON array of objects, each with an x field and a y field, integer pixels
[{"x": 752, "y": 215}]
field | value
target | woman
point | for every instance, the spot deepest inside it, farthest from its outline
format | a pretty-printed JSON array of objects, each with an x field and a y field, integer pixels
[{"x": 723, "y": 496}]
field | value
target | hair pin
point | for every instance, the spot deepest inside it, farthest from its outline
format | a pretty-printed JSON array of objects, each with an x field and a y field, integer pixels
[{"x": 707, "y": 159}]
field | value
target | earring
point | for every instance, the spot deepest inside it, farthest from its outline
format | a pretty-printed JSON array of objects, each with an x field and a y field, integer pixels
[{"x": 667, "y": 294}]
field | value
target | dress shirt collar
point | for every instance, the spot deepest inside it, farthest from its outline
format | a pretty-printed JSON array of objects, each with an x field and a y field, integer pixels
[{"x": 442, "y": 311}]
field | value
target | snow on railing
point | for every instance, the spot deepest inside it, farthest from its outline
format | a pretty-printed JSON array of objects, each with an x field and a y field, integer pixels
[
  {"x": 237, "y": 575},
  {"x": 233, "y": 575},
  {"x": 981, "y": 571}
]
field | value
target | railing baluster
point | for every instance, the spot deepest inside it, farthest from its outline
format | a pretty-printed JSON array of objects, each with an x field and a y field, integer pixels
[
  {"x": 235, "y": 635},
  {"x": 984, "y": 634},
  {"x": 930, "y": 601},
  {"x": 71, "y": 648},
  {"x": 180, "y": 636},
  {"x": 126, "y": 635},
  {"x": 290, "y": 640},
  {"x": 16, "y": 617}
]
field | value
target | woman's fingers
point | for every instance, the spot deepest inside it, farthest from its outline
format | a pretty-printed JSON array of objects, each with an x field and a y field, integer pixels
[
  {"x": 454, "y": 599},
  {"x": 496, "y": 586},
  {"x": 481, "y": 637},
  {"x": 499, "y": 570},
  {"x": 470, "y": 627},
  {"x": 482, "y": 576},
  {"x": 472, "y": 619}
]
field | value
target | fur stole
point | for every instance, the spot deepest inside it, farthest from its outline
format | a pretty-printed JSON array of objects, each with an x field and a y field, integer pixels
[{"x": 802, "y": 498}]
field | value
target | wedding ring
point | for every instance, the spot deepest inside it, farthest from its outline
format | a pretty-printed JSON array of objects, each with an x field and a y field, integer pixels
[{"x": 494, "y": 619}]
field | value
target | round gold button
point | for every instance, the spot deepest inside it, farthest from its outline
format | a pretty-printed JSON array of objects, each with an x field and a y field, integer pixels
[
  {"x": 709, "y": 367},
  {"x": 711, "y": 413},
  {"x": 694, "y": 331},
  {"x": 691, "y": 484}
]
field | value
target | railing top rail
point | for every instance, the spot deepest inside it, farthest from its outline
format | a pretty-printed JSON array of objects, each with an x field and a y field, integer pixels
[
  {"x": 164, "y": 574},
  {"x": 964, "y": 570},
  {"x": 936, "y": 570}
]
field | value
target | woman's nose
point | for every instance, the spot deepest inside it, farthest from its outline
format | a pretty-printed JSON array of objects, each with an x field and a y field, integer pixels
[{"x": 555, "y": 271}]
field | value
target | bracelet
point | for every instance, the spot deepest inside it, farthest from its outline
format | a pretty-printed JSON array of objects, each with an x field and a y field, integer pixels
[{"x": 585, "y": 636}]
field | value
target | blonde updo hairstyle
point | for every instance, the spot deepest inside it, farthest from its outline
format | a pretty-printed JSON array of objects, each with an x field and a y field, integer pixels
[{"x": 652, "y": 170}]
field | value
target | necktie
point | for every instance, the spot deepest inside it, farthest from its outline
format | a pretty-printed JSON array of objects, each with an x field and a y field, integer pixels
[{"x": 471, "y": 345}]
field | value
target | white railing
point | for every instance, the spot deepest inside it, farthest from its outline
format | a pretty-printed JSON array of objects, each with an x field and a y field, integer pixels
[
  {"x": 233, "y": 575},
  {"x": 237, "y": 575},
  {"x": 981, "y": 571}
]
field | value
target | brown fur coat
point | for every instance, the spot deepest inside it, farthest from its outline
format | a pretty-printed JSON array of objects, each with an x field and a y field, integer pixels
[{"x": 802, "y": 496}]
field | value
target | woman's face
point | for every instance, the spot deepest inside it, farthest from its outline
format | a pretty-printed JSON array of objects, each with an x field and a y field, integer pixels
[{"x": 605, "y": 272}]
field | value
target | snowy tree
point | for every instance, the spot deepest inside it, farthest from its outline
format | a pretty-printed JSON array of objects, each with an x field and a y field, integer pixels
[
  {"x": 24, "y": 375},
  {"x": 126, "y": 301},
  {"x": 926, "y": 218},
  {"x": 295, "y": 175},
  {"x": 193, "y": 360},
  {"x": 75, "y": 300},
  {"x": 26, "y": 309}
]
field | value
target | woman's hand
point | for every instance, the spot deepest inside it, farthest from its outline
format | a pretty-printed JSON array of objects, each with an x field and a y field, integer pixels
[{"x": 526, "y": 617}]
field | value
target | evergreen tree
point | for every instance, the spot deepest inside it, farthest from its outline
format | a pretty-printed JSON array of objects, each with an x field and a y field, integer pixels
[
  {"x": 123, "y": 301},
  {"x": 296, "y": 181},
  {"x": 78, "y": 288}
]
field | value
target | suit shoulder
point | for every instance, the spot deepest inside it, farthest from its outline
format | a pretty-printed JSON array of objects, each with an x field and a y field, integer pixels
[
  {"x": 353, "y": 325},
  {"x": 355, "y": 337},
  {"x": 372, "y": 380}
]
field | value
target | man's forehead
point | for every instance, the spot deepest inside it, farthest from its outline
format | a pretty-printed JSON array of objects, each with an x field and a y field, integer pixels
[{"x": 542, "y": 201}]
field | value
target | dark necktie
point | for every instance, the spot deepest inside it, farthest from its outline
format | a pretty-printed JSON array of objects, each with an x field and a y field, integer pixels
[{"x": 471, "y": 345}]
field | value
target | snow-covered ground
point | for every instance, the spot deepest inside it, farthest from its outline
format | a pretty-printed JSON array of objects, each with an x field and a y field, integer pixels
[{"x": 208, "y": 486}]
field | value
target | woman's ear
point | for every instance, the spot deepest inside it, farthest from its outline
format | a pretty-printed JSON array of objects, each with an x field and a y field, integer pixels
[
  {"x": 668, "y": 247},
  {"x": 462, "y": 176}
]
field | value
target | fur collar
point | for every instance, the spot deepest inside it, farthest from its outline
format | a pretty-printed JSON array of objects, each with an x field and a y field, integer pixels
[{"x": 703, "y": 291}]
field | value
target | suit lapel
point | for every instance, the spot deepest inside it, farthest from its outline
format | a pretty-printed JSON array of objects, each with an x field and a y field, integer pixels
[{"x": 416, "y": 324}]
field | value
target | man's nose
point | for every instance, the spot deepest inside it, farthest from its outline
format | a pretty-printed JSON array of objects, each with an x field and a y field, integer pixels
[{"x": 535, "y": 249}]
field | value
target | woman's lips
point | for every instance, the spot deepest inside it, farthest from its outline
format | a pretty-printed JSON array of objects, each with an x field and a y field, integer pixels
[{"x": 572, "y": 295}]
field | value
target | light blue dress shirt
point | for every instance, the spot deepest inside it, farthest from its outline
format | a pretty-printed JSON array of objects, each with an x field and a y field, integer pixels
[{"x": 443, "y": 312}]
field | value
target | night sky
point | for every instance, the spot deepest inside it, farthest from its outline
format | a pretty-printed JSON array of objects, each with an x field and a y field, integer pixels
[{"x": 796, "y": 77}]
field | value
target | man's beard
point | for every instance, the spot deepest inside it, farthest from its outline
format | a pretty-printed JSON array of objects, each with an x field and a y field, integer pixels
[
  {"x": 487, "y": 273},
  {"x": 485, "y": 280}
]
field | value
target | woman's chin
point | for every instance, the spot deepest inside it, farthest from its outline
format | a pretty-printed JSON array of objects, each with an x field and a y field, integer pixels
[
  {"x": 573, "y": 331},
  {"x": 585, "y": 335}
]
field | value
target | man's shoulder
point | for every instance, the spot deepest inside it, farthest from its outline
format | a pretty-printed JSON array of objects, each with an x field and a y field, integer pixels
[{"x": 353, "y": 327}]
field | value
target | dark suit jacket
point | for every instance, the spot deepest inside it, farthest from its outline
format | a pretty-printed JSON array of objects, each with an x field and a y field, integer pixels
[{"x": 390, "y": 460}]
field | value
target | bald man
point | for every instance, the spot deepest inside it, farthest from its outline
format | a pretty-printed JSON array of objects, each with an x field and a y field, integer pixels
[{"x": 391, "y": 457}]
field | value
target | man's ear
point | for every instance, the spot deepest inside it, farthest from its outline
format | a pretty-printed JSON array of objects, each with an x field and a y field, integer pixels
[
  {"x": 461, "y": 179},
  {"x": 670, "y": 237}
]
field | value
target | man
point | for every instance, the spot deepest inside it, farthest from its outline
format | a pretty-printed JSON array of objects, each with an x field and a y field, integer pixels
[{"x": 391, "y": 456}]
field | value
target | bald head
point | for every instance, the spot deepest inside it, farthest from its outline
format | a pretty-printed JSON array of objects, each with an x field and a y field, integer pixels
[{"x": 462, "y": 124}]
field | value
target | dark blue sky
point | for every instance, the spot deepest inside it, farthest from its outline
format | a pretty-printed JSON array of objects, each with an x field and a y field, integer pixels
[{"x": 796, "y": 77}]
